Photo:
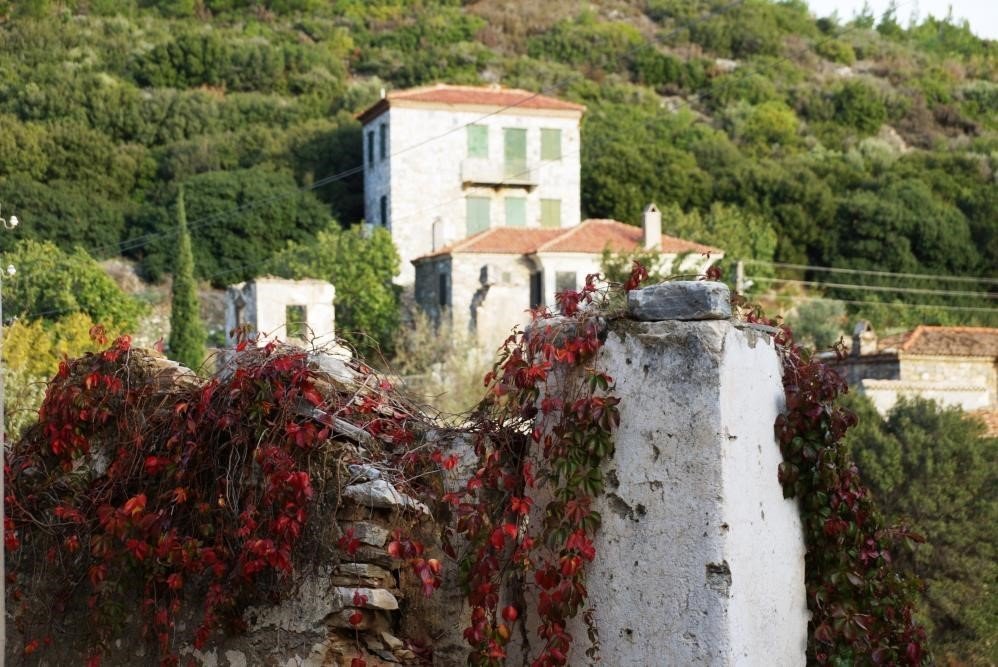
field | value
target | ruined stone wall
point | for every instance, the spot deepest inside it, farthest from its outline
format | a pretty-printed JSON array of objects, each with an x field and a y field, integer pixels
[{"x": 700, "y": 559}]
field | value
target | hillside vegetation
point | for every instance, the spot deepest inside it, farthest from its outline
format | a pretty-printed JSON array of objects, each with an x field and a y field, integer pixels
[{"x": 867, "y": 144}]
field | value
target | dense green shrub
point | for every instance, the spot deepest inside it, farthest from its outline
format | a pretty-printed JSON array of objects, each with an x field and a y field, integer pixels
[
  {"x": 859, "y": 106},
  {"x": 51, "y": 284},
  {"x": 67, "y": 213},
  {"x": 933, "y": 468},
  {"x": 238, "y": 220}
]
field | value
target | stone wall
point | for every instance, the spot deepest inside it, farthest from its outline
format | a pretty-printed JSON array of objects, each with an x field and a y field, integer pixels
[
  {"x": 970, "y": 383},
  {"x": 700, "y": 559}
]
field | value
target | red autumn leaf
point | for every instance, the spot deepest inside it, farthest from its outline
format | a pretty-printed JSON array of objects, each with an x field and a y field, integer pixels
[
  {"x": 135, "y": 505},
  {"x": 520, "y": 506},
  {"x": 138, "y": 548},
  {"x": 349, "y": 543},
  {"x": 358, "y": 662},
  {"x": 155, "y": 464},
  {"x": 312, "y": 395},
  {"x": 359, "y": 600},
  {"x": 510, "y": 614},
  {"x": 356, "y": 618}
]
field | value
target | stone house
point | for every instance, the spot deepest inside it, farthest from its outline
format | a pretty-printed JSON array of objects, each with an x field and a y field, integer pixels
[
  {"x": 954, "y": 366},
  {"x": 289, "y": 311},
  {"x": 443, "y": 162},
  {"x": 487, "y": 283}
]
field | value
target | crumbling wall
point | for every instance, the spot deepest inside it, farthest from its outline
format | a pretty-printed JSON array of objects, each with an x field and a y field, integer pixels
[{"x": 700, "y": 559}]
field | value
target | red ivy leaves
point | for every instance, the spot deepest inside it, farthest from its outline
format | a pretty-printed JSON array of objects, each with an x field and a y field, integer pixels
[
  {"x": 167, "y": 510},
  {"x": 860, "y": 604},
  {"x": 498, "y": 498}
]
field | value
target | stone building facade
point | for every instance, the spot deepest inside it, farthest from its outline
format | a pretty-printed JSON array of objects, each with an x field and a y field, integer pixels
[
  {"x": 445, "y": 162},
  {"x": 955, "y": 366},
  {"x": 295, "y": 311},
  {"x": 488, "y": 283}
]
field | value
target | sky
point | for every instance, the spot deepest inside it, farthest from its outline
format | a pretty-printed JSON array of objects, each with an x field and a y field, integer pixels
[{"x": 981, "y": 14}]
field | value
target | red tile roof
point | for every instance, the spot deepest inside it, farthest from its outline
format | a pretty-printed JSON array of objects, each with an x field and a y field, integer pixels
[
  {"x": 479, "y": 96},
  {"x": 592, "y": 237},
  {"x": 953, "y": 341}
]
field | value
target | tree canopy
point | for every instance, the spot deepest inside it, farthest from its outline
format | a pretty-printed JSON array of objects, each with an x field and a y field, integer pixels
[{"x": 933, "y": 468}]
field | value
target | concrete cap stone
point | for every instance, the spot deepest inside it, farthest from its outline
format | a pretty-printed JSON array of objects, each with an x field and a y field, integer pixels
[{"x": 680, "y": 300}]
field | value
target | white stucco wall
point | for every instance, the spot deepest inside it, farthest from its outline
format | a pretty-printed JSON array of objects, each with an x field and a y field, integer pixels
[
  {"x": 886, "y": 393},
  {"x": 700, "y": 558},
  {"x": 264, "y": 302},
  {"x": 427, "y": 147}
]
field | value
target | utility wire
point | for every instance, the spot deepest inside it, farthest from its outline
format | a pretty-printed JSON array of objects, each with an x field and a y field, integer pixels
[
  {"x": 867, "y": 272},
  {"x": 877, "y": 288},
  {"x": 891, "y": 304}
]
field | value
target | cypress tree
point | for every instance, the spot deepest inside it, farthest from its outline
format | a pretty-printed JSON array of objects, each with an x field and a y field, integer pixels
[{"x": 187, "y": 337}]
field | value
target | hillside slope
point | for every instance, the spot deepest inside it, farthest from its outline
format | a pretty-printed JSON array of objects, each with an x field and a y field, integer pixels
[{"x": 864, "y": 145}]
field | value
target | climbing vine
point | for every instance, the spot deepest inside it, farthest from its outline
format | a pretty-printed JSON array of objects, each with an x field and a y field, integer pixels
[
  {"x": 138, "y": 486},
  {"x": 542, "y": 434},
  {"x": 861, "y": 604}
]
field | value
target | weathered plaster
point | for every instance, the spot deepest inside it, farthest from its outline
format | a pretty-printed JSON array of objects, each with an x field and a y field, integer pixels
[{"x": 700, "y": 559}]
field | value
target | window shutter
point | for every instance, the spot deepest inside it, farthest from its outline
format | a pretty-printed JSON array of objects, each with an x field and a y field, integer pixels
[
  {"x": 515, "y": 150},
  {"x": 478, "y": 141},
  {"x": 478, "y": 214},
  {"x": 550, "y": 213},
  {"x": 516, "y": 212},
  {"x": 383, "y": 138},
  {"x": 550, "y": 144}
]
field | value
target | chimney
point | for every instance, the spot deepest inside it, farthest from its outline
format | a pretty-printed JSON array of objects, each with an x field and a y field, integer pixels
[
  {"x": 864, "y": 339},
  {"x": 438, "y": 234},
  {"x": 651, "y": 222}
]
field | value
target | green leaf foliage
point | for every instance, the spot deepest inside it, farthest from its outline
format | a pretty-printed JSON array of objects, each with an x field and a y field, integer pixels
[
  {"x": 239, "y": 219},
  {"x": 934, "y": 468},
  {"x": 51, "y": 283},
  {"x": 187, "y": 336}
]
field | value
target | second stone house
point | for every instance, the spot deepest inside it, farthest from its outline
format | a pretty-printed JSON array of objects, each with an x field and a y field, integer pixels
[{"x": 488, "y": 283}]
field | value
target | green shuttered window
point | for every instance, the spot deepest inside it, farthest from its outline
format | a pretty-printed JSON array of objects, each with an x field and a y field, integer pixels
[
  {"x": 478, "y": 214},
  {"x": 515, "y": 151},
  {"x": 550, "y": 144},
  {"x": 478, "y": 141},
  {"x": 516, "y": 212},
  {"x": 550, "y": 213}
]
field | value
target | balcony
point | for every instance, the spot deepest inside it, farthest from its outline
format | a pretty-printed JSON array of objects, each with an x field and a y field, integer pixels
[{"x": 479, "y": 172}]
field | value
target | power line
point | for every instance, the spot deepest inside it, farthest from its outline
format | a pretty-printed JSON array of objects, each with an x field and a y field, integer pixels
[
  {"x": 868, "y": 272},
  {"x": 891, "y": 304},
  {"x": 878, "y": 288}
]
